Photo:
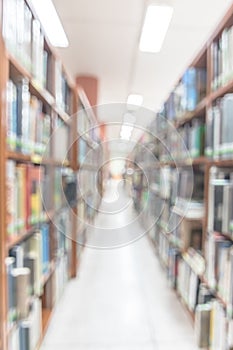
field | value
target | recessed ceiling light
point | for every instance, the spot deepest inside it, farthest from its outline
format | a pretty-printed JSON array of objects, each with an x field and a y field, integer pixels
[
  {"x": 156, "y": 23},
  {"x": 50, "y": 21},
  {"x": 126, "y": 131},
  {"x": 135, "y": 100}
]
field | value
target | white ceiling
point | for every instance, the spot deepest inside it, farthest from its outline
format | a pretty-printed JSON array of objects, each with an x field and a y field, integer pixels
[{"x": 104, "y": 36}]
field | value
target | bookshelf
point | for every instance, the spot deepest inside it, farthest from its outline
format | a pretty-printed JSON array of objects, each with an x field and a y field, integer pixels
[
  {"x": 197, "y": 111},
  {"x": 90, "y": 152},
  {"x": 39, "y": 176}
]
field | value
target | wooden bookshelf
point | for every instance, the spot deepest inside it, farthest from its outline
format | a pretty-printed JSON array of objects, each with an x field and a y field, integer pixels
[
  {"x": 60, "y": 106},
  {"x": 218, "y": 84}
]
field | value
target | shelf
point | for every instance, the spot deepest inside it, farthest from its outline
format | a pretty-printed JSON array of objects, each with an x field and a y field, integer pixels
[
  {"x": 62, "y": 114},
  {"x": 44, "y": 95},
  {"x": 226, "y": 235},
  {"x": 19, "y": 238},
  {"x": 16, "y": 239},
  {"x": 16, "y": 69},
  {"x": 222, "y": 91},
  {"x": 214, "y": 292},
  {"x": 197, "y": 113},
  {"x": 186, "y": 162},
  {"x": 183, "y": 303},
  {"x": 36, "y": 159},
  {"x": 221, "y": 162},
  {"x": 33, "y": 158},
  {"x": 47, "y": 276},
  {"x": 46, "y": 315}
]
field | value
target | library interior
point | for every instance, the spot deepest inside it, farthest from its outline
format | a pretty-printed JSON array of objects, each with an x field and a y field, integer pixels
[{"x": 116, "y": 175}]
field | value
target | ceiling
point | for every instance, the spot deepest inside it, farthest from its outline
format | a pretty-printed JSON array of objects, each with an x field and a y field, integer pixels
[{"x": 104, "y": 36}]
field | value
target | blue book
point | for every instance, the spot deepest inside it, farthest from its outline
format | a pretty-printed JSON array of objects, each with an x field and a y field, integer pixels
[
  {"x": 190, "y": 82},
  {"x": 45, "y": 247}
]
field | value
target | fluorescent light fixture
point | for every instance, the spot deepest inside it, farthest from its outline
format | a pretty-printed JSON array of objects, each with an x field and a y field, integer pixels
[
  {"x": 135, "y": 100},
  {"x": 126, "y": 131},
  {"x": 156, "y": 23},
  {"x": 50, "y": 21}
]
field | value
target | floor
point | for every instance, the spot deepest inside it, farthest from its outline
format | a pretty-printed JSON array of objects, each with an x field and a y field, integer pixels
[{"x": 120, "y": 299}]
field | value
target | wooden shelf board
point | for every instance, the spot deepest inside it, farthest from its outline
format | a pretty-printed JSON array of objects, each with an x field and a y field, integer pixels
[
  {"x": 46, "y": 315},
  {"x": 44, "y": 95},
  {"x": 47, "y": 276},
  {"x": 226, "y": 235},
  {"x": 222, "y": 91},
  {"x": 33, "y": 158},
  {"x": 186, "y": 162},
  {"x": 18, "y": 156},
  {"x": 14, "y": 240},
  {"x": 221, "y": 162},
  {"x": 62, "y": 114},
  {"x": 226, "y": 21},
  {"x": 17, "y": 68},
  {"x": 214, "y": 291},
  {"x": 197, "y": 113}
]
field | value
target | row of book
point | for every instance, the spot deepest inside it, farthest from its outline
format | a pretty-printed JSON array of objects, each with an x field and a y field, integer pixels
[
  {"x": 220, "y": 215},
  {"x": 63, "y": 93},
  {"x": 28, "y": 125},
  {"x": 24, "y": 200},
  {"x": 26, "y": 265},
  {"x": 219, "y": 269},
  {"x": 213, "y": 138},
  {"x": 213, "y": 329},
  {"x": 187, "y": 284},
  {"x": 26, "y": 333},
  {"x": 29, "y": 194},
  {"x": 222, "y": 58},
  {"x": 188, "y": 141},
  {"x": 25, "y": 40},
  {"x": 183, "y": 269},
  {"x": 184, "y": 143},
  {"x": 219, "y": 139},
  {"x": 187, "y": 94}
]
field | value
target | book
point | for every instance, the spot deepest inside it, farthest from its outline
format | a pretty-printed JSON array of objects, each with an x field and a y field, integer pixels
[
  {"x": 220, "y": 204},
  {"x": 10, "y": 261},
  {"x": 37, "y": 52},
  {"x": 209, "y": 139},
  {"x": 21, "y": 178},
  {"x": 13, "y": 339},
  {"x": 60, "y": 142},
  {"x": 21, "y": 282},
  {"x": 202, "y": 325},
  {"x": 23, "y": 100},
  {"x": 35, "y": 207},
  {"x": 11, "y": 198},
  {"x": 35, "y": 249},
  {"x": 11, "y": 115},
  {"x": 226, "y": 149},
  {"x": 45, "y": 248}
]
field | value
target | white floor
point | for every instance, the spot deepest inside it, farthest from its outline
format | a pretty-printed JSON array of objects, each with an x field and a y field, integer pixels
[{"x": 120, "y": 299}]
